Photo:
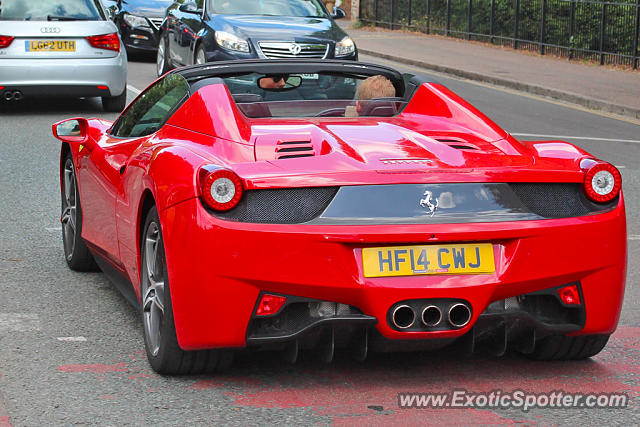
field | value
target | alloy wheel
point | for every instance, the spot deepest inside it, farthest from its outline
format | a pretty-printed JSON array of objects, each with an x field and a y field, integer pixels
[
  {"x": 69, "y": 210},
  {"x": 153, "y": 287}
]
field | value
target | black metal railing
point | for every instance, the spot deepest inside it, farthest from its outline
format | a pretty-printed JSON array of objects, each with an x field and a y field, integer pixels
[{"x": 604, "y": 31}]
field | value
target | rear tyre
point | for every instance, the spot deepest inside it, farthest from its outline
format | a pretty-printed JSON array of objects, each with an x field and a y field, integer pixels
[
  {"x": 115, "y": 104},
  {"x": 76, "y": 252},
  {"x": 560, "y": 347},
  {"x": 163, "y": 352},
  {"x": 162, "y": 58}
]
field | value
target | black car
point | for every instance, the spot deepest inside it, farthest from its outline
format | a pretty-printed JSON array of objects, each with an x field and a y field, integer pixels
[
  {"x": 138, "y": 21},
  {"x": 195, "y": 32}
]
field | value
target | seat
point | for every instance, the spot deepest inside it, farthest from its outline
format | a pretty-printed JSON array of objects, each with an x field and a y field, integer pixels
[
  {"x": 252, "y": 105},
  {"x": 381, "y": 107}
]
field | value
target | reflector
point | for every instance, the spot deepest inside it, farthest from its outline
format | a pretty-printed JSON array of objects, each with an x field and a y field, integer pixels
[
  {"x": 270, "y": 304},
  {"x": 570, "y": 295}
]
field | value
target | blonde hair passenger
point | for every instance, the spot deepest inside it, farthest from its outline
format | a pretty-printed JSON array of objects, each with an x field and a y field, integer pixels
[{"x": 373, "y": 87}]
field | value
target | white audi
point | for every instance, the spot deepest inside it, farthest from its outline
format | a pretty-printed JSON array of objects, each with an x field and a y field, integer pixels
[{"x": 61, "y": 47}]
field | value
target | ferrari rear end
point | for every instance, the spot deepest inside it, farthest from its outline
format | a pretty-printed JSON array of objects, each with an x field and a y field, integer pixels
[{"x": 394, "y": 266}]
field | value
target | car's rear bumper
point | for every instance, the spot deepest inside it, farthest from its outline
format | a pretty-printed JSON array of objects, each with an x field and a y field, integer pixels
[
  {"x": 218, "y": 269},
  {"x": 71, "y": 77}
]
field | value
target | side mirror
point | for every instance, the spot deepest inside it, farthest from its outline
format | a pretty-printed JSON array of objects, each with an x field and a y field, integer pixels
[
  {"x": 190, "y": 7},
  {"x": 72, "y": 131},
  {"x": 279, "y": 82},
  {"x": 111, "y": 13},
  {"x": 338, "y": 13}
]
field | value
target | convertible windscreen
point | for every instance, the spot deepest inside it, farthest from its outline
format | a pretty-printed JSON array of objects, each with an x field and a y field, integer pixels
[
  {"x": 49, "y": 10},
  {"x": 308, "y": 95},
  {"x": 300, "y": 8}
]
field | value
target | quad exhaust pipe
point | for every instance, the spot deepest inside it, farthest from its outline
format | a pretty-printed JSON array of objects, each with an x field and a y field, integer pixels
[
  {"x": 403, "y": 317},
  {"x": 431, "y": 316},
  {"x": 459, "y": 315},
  {"x": 13, "y": 95}
]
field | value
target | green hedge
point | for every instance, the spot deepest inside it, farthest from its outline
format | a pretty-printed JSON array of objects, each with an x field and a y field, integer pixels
[{"x": 619, "y": 21}]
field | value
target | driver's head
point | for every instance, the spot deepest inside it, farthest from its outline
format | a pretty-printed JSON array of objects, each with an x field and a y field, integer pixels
[
  {"x": 374, "y": 87},
  {"x": 273, "y": 81}
]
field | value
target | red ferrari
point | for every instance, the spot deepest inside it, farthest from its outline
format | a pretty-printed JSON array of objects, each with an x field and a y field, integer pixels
[{"x": 271, "y": 205}]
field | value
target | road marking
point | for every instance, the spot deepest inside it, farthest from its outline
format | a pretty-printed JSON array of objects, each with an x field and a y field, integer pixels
[
  {"x": 134, "y": 89},
  {"x": 72, "y": 339},
  {"x": 19, "y": 322},
  {"x": 587, "y": 138},
  {"x": 633, "y": 237},
  {"x": 53, "y": 229},
  {"x": 515, "y": 92}
]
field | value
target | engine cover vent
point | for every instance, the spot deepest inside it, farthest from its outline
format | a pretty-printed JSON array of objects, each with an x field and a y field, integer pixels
[
  {"x": 294, "y": 149},
  {"x": 457, "y": 143}
]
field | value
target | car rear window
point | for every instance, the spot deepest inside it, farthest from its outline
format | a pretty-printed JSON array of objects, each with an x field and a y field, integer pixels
[{"x": 50, "y": 10}]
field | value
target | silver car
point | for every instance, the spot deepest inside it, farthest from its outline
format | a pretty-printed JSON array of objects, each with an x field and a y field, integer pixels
[{"x": 61, "y": 47}]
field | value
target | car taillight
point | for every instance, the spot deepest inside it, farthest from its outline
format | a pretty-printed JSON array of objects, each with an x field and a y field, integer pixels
[
  {"x": 602, "y": 181},
  {"x": 5, "y": 41},
  {"x": 105, "y": 41},
  {"x": 221, "y": 189}
]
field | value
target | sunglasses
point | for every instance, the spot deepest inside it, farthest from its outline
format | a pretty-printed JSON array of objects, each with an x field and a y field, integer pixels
[{"x": 277, "y": 78}]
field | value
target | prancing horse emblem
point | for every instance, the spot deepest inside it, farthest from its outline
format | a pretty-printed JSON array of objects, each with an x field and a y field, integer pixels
[
  {"x": 295, "y": 49},
  {"x": 426, "y": 202}
]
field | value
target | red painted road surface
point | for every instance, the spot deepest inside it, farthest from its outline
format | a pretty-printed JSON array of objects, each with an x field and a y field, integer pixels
[
  {"x": 5, "y": 421},
  {"x": 348, "y": 393}
]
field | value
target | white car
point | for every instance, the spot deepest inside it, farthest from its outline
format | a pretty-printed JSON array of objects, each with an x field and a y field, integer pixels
[{"x": 61, "y": 47}]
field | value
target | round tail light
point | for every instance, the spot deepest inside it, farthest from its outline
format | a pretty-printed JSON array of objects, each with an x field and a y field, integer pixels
[
  {"x": 221, "y": 189},
  {"x": 602, "y": 182}
]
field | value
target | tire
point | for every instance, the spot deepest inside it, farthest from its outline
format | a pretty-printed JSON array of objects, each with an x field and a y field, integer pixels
[
  {"x": 115, "y": 104},
  {"x": 163, "y": 352},
  {"x": 201, "y": 56},
  {"x": 560, "y": 347},
  {"x": 163, "y": 64},
  {"x": 76, "y": 252}
]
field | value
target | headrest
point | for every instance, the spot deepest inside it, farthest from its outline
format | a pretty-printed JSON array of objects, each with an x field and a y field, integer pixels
[
  {"x": 381, "y": 107},
  {"x": 247, "y": 97}
]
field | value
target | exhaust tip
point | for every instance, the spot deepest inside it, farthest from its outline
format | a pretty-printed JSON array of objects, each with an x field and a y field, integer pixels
[
  {"x": 431, "y": 316},
  {"x": 17, "y": 95},
  {"x": 8, "y": 96},
  {"x": 459, "y": 315},
  {"x": 403, "y": 317}
]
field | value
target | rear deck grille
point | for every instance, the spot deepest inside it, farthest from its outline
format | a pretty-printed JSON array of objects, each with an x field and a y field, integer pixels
[
  {"x": 350, "y": 204},
  {"x": 553, "y": 200},
  {"x": 281, "y": 205},
  {"x": 293, "y": 149},
  {"x": 276, "y": 50}
]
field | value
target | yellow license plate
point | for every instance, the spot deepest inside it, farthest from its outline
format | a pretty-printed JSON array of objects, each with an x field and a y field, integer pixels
[
  {"x": 432, "y": 259},
  {"x": 50, "y": 46}
]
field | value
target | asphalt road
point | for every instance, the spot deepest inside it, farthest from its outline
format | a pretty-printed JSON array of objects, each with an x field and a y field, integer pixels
[{"x": 71, "y": 349}]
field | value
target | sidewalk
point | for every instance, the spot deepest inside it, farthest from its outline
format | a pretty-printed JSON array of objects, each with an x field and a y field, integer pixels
[{"x": 592, "y": 86}]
